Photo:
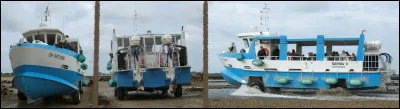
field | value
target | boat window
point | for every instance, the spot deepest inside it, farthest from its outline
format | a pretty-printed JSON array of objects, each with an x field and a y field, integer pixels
[
  {"x": 246, "y": 43},
  {"x": 126, "y": 42},
  {"x": 178, "y": 37},
  {"x": 158, "y": 41},
  {"x": 51, "y": 38},
  {"x": 59, "y": 39},
  {"x": 29, "y": 39},
  {"x": 40, "y": 37},
  {"x": 149, "y": 42},
  {"x": 173, "y": 38},
  {"x": 119, "y": 42},
  {"x": 141, "y": 41},
  {"x": 264, "y": 41}
]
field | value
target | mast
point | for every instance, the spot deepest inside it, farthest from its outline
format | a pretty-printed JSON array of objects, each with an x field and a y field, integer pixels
[
  {"x": 265, "y": 17},
  {"x": 47, "y": 15},
  {"x": 135, "y": 21}
]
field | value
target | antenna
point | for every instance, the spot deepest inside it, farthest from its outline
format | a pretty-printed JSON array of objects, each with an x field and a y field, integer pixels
[
  {"x": 265, "y": 17},
  {"x": 135, "y": 21},
  {"x": 47, "y": 15}
]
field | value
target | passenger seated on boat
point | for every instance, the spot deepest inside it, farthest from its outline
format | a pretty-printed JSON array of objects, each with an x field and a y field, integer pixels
[
  {"x": 335, "y": 55},
  {"x": 310, "y": 54},
  {"x": 343, "y": 56},
  {"x": 59, "y": 44},
  {"x": 275, "y": 53},
  {"x": 261, "y": 53},
  {"x": 292, "y": 54},
  {"x": 315, "y": 56},
  {"x": 353, "y": 57},
  {"x": 242, "y": 50},
  {"x": 348, "y": 55},
  {"x": 73, "y": 47}
]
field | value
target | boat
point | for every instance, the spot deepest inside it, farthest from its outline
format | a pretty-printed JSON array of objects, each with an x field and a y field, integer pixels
[
  {"x": 148, "y": 62},
  {"x": 44, "y": 65},
  {"x": 278, "y": 68}
]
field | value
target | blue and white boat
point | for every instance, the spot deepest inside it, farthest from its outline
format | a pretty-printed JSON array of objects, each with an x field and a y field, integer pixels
[
  {"x": 149, "y": 62},
  {"x": 42, "y": 69},
  {"x": 276, "y": 69}
]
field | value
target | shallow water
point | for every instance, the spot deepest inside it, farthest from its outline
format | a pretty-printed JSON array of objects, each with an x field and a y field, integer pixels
[{"x": 248, "y": 92}]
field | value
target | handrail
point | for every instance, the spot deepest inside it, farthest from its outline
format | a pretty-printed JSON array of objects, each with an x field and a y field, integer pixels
[{"x": 268, "y": 57}]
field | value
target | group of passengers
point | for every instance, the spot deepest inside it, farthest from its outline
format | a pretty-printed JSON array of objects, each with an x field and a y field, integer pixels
[
  {"x": 345, "y": 56},
  {"x": 66, "y": 44},
  {"x": 292, "y": 55}
]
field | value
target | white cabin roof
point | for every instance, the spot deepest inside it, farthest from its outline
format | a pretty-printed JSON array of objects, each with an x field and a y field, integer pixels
[
  {"x": 252, "y": 34},
  {"x": 43, "y": 28}
]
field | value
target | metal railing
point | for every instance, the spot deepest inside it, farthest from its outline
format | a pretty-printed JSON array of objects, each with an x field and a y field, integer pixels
[
  {"x": 301, "y": 58},
  {"x": 339, "y": 58},
  {"x": 268, "y": 57}
]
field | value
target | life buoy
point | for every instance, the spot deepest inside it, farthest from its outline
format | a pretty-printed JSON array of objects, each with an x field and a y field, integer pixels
[{"x": 266, "y": 51}]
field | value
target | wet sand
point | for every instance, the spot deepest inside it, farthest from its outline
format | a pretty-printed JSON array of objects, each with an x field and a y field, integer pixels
[
  {"x": 296, "y": 103},
  {"x": 107, "y": 99},
  {"x": 242, "y": 97}
]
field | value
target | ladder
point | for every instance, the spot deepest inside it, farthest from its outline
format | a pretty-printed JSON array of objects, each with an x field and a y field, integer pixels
[{"x": 175, "y": 58}]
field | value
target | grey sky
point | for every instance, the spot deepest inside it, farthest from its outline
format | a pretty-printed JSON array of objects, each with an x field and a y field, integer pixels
[
  {"x": 305, "y": 19},
  {"x": 160, "y": 17}
]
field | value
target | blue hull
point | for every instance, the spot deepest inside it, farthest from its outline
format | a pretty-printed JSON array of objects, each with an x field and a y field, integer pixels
[
  {"x": 152, "y": 78},
  {"x": 39, "y": 81},
  {"x": 235, "y": 76}
]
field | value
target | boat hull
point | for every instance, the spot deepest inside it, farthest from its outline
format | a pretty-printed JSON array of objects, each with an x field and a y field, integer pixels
[
  {"x": 43, "y": 70},
  {"x": 152, "y": 78},
  {"x": 235, "y": 76}
]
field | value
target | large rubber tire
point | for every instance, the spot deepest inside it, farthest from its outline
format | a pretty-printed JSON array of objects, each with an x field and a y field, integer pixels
[
  {"x": 178, "y": 91},
  {"x": 257, "y": 85},
  {"x": 76, "y": 97},
  {"x": 120, "y": 93},
  {"x": 273, "y": 90},
  {"x": 21, "y": 96}
]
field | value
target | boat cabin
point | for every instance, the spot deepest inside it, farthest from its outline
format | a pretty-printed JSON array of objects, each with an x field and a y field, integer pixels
[
  {"x": 49, "y": 36},
  {"x": 369, "y": 56},
  {"x": 151, "y": 45}
]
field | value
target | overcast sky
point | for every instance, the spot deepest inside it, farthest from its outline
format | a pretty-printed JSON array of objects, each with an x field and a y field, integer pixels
[
  {"x": 305, "y": 19},
  {"x": 160, "y": 17}
]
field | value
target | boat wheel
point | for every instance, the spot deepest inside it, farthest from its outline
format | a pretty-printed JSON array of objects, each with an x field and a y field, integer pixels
[
  {"x": 76, "y": 97},
  {"x": 120, "y": 93},
  {"x": 257, "y": 85},
  {"x": 178, "y": 91},
  {"x": 21, "y": 96}
]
